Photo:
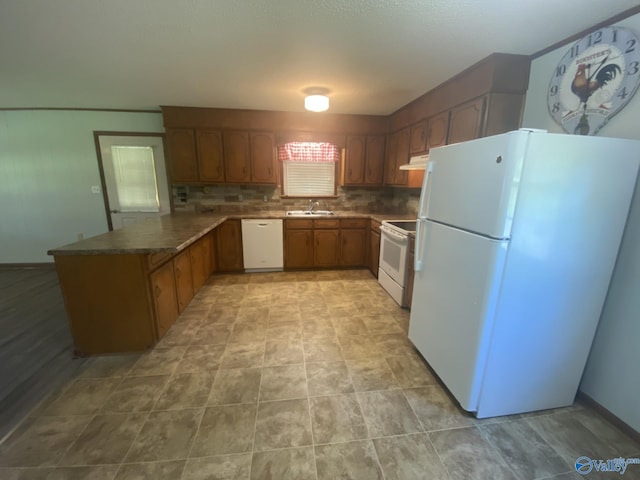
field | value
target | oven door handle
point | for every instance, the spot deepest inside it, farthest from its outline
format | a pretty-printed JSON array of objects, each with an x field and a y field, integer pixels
[{"x": 397, "y": 237}]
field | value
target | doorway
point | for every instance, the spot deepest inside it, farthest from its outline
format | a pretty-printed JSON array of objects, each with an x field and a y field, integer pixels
[{"x": 134, "y": 177}]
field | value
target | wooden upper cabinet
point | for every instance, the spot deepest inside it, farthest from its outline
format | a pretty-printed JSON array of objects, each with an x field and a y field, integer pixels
[
  {"x": 438, "y": 126},
  {"x": 402, "y": 156},
  {"x": 466, "y": 121},
  {"x": 263, "y": 157},
  {"x": 182, "y": 155},
  {"x": 418, "y": 138},
  {"x": 236, "y": 156},
  {"x": 390, "y": 159},
  {"x": 210, "y": 160},
  {"x": 374, "y": 170},
  {"x": 355, "y": 158}
]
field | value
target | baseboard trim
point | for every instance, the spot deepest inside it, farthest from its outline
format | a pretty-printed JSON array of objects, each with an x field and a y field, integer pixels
[
  {"x": 612, "y": 418},
  {"x": 13, "y": 266}
]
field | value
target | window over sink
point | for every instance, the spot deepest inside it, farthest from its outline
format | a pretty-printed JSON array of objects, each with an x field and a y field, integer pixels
[{"x": 309, "y": 169}]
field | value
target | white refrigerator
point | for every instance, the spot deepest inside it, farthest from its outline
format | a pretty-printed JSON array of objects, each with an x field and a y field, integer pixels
[{"x": 517, "y": 238}]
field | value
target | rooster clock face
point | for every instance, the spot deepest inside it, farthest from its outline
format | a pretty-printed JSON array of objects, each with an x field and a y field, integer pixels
[{"x": 594, "y": 80}]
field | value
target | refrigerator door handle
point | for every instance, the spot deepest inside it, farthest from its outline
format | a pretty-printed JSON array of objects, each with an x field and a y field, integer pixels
[
  {"x": 419, "y": 249},
  {"x": 426, "y": 191}
]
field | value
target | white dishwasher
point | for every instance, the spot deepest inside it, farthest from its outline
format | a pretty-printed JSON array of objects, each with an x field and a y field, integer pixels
[{"x": 262, "y": 246}]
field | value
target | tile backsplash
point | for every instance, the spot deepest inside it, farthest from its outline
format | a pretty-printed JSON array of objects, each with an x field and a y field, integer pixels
[{"x": 242, "y": 198}]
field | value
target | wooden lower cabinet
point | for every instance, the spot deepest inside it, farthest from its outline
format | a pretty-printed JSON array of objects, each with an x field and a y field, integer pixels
[
  {"x": 408, "y": 290},
  {"x": 229, "y": 247},
  {"x": 298, "y": 248},
  {"x": 326, "y": 248},
  {"x": 165, "y": 301},
  {"x": 200, "y": 266},
  {"x": 325, "y": 243},
  {"x": 374, "y": 247},
  {"x": 184, "y": 279}
]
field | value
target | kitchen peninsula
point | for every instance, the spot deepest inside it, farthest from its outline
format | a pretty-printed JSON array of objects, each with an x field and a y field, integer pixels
[{"x": 125, "y": 288}]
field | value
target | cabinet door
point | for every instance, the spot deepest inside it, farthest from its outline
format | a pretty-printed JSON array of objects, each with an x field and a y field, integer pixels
[
  {"x": 184, "y": 281},
  {"x": 182, "y": 155},
  {"x": 437, "y": 130},
  {"x": 418, "y": 138},
  {"x": 402, "y": 157},
  {"x": 263, "y": 158},
  {"x": 466, "y": 121},
  {"x": 298, "y": 248},
  {"x": 164, "y": 297},
  {"x": 229, "y": 246},
  {"x": 374, "y": 169},
  {"x": 390, "y": 159},
  {"x": 353, "y": 247},
  {"x": 207, "y": 254},
  {"x": 326, "y": 248},
  {"x": 354, "y": 167},
  {"x": 236, "y": 157},
  {"x": 374, "y": 252},
  {"x": 199, "y": 274},
  {"x": 210, "y": 163},
  {"x": 408, "y": 291}
]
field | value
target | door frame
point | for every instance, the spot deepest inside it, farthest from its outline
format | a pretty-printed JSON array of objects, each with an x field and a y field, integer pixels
[{"x": 103, "y": 183}]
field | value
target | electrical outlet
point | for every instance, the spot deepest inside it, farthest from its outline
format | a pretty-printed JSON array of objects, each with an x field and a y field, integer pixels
[
  {"x": 239, "y": 198},
  {"x": 265, "y": 198},
  {"x": 95, "y": 189},
  {"x": 80, "y": 236}
]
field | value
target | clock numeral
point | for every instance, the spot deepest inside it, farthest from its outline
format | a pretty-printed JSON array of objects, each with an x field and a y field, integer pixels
[
  {"x": 634, "y": 67},
  {"x": 555, "y": 108},
  {"x": 595, "y": 38},
  {"x": 560, "y": 69},
  {"x": 554, "y": 90},
  {"x": 631, "y": 45},
  {"x": 622, "y": 93},
  {"x": 575, "y": 50}
]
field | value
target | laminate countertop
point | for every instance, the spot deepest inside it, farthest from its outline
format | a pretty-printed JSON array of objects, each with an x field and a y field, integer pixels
[{"x": 172, "y": 233}]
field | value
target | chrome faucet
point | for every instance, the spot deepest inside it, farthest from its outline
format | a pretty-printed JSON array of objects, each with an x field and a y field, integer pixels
[{"x": 312, "y": 205}]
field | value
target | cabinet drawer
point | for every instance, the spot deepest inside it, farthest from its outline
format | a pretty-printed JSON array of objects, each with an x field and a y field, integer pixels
[
  {"x": 375, "y": 226},
  {"x": 298, "y": 223},
  {"x": 326, "y": 223},
  {"x": 353, "y": 223},
  {"x": 154, "y": 260}
]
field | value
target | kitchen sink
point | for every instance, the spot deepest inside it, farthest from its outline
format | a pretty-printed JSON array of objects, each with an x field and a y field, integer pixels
[{"x": 307, "y": 213}]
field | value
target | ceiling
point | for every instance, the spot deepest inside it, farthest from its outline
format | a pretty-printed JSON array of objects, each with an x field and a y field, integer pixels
[{"x": 373, "y": 55}]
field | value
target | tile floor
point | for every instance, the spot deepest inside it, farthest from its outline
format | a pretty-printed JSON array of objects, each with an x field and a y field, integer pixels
[{"x": 290, "y": 376}]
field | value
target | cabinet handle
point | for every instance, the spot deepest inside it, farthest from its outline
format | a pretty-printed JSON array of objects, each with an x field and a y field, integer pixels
[
  {"x": 269, "y": 171},
  {"x": 158, "y": 291},
  {"x": 219, "y": 168},
  {"x": 178, "y": 273},
  {"x": 244, "y": 170},
  {"x": 349, "y": 171}
]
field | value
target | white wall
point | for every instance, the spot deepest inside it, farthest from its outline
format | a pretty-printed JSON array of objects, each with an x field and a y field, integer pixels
[
  {"x": 48, "y": 163},
  {"x": 611, "y": 375}
]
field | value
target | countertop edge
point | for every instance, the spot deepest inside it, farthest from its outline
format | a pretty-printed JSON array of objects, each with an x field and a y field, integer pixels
[{"x": 215, "y": 221}]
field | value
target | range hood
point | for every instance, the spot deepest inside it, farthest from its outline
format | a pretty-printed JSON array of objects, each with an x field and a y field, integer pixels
[{"x": 418, "y": 162}]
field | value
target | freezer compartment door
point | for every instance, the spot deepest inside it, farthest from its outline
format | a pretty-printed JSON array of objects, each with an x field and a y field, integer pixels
[
  {"x": 454, "y": 299},
  {"x": 473, "y": 185}
]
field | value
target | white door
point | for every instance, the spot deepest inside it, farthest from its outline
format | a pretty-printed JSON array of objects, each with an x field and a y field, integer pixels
[
  {"x": 454, "y": 299},
  {"x": 135, "y": 178},
  {"x": 473, "y": 185}
]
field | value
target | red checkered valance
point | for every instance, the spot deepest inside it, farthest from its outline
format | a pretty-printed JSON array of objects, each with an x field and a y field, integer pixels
[{"x": 310, "y": 152}]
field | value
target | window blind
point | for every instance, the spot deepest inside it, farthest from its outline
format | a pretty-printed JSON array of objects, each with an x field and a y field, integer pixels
[
  {"x": 308, "y": 178},
  {"x": 135, "y": 177}
]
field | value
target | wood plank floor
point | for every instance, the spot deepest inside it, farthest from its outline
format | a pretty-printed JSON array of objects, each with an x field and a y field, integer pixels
[{"x": 35, "y": 342}]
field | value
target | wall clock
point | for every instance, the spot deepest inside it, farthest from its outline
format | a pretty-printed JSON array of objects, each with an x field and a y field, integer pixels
[{"x": 594, "y": 80}]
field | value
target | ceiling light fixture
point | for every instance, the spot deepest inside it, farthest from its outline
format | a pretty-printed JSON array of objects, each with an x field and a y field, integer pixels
[{"x": 316, "y": 99}]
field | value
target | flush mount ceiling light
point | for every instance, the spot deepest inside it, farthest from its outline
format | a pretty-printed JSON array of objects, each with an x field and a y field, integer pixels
[{"x": 316, "y": 99}]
